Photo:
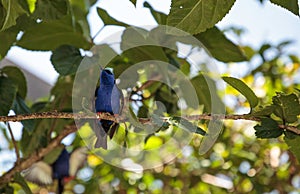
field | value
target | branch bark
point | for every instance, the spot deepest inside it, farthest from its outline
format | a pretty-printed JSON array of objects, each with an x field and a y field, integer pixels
[
  {"x": 57, "y": 115},
  {"x": 14, "y": 143},
  {"x": 107, "y": 116},
  {"x": 36, "y": 156}
]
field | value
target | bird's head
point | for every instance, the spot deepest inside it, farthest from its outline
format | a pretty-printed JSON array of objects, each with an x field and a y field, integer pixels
[{"x": 107, "y": 77}]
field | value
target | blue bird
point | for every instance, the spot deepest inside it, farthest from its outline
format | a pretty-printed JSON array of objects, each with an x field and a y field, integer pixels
[
  {"x": 63, "y": 169},
  {"x": 108, "y": 99}
]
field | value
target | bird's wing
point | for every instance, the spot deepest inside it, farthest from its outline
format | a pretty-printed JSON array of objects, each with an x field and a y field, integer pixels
[
  {"x": 77, "y": 159},
  {"x": 39, "y": 173},
  {"x": 101, "y": 135},
  {"x": 117, "y": 100}
]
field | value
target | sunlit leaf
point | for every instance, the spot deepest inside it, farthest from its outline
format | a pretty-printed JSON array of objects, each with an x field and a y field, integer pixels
[
  {"x": 219, "y": 46},
  {"x": 243, "y": 89},
  {"x": 188, "y": 126},
  {"x": 207, "y": 94},
  {"x": 196, "y": 16},
  {"x": 265, "y": 111},
  {"x": 249, "y": 52},
  {"x": 268, "y": 129},
  {"x": 136, "y": 45},
  {"x": 52, "y": 34},
  {"x": 153, "y": 142},
  {"x": 293, "y": 144},
  {"x": 287, "y": 107}
]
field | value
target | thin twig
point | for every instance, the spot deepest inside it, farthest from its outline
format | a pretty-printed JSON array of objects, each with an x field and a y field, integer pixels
[
  {"x": 14, "y": 143},
  {"x": 99, "y": 31},
  {"x": 36, "y": 156}
]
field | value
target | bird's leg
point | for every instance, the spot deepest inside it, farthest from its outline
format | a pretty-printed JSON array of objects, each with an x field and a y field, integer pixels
[{"x": 68, "y": 179}]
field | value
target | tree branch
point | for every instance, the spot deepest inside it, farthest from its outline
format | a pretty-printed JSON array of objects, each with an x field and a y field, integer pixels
[
  {"x": 107, "y": 116},
  {"x": 14, "y": 143},
  {"x": 57, "y": 115},
  {"x": 36, "y": 156}
]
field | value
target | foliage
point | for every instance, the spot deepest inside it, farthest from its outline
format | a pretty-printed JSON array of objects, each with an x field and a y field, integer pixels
[{"x": 241, "y": 162}]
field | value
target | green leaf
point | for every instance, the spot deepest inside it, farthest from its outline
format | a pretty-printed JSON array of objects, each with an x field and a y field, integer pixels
[
  {"x": 263, "y": 48},
  {"x": 8, "y": 91},
  {"x": 20, "y": 107},
  {"x": 7, "y": 38},
  {"x": 12, "y": 11},
  {"x": 38, "y": 106},
  {"x": 145, "y": 53},
  {"x": 107, "y": 19},
  {"x": 143, "y": 112},
  {"x": 34, "y": 140},
  {"x": 243, "y": 89},
  {"x": 196, "y": 16},
  {"x": 17, "y": 76},
  {"x": 287, "y": 107},
  {"x": 293, "y": 144},
  {"x": 79, "y": 16},
  {"x": 188, "y": 126},
  {"x": 265, "y": 111},
  {"x": 85, "y": 5},
  {"x": 52, "y": 156},
  {"x": 133, "y": 2},
  {"x": 18, "y": 178},
  {"x": 220, "y": 47},
  {"x": 160, "y": 18},
  {"x": 268, "y": 129},
  {"x": 49, "y": 35},
  {"x": 249, "y": 52},
  {"x": 66, "y": 59},
  {"x": 50, "y": 10},
  {"x": 133, "y": 44},
  {"x": 291, "y": 5},
  {"x": 7, "y": 189},
  {"x": 207, "y": 94}
]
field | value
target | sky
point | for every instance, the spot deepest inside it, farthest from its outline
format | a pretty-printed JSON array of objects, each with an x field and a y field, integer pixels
[{"x": 263, "y": 23}]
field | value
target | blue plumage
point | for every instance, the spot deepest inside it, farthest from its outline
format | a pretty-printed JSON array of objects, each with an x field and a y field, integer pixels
[
  {"x": 108, "y": 98},
  {"x": 61, "y": 165}
]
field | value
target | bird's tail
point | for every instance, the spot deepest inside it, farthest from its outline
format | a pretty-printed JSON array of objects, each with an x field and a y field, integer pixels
[
  {"x": 101, "y": 137},
  {"x": 60, "y": 188},
  {"x": 101, "y": 142}
]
